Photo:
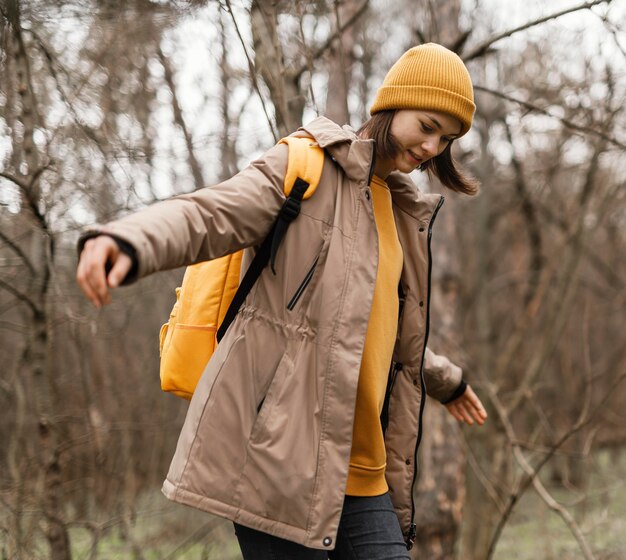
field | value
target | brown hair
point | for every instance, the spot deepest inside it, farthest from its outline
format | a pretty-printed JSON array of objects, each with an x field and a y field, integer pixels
[{"x": 443, "y": 166}]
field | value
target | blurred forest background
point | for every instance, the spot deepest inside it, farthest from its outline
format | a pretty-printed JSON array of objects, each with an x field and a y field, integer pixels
[{"x": 107, "y": 106}]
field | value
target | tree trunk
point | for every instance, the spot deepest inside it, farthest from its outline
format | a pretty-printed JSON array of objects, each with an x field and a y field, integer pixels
[
  {"x": 284, "y": 88},
  {"x": 228, "y": 153},
  {"x": 36, "y": 362},
  {"x": 340, "y": 65},
  {"x": 441, "y": 489}
]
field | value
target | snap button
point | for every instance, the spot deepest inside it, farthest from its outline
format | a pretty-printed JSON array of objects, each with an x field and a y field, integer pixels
[
  {"x": 415, "y": 382},
  {"x": 408, "y": 461},
  {"x": 327, "y": 541},
  {"x": 421, "y": 229},
  {"x": 421, "y": 304},
  {"x": 367, "y": 194}
]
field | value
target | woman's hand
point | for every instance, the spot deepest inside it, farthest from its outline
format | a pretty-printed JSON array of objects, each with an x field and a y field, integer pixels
[
  {"x": 91, "y": 273},
  {"x": 468, "y": 408}
]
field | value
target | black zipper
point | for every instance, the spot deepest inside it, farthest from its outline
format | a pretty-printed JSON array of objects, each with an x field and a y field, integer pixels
[
  {"x": 393, "y": 374},
  {"x": 394, "y": 368},
  {"x": 303, "y": 285},
  {"x": 370, "y": 173},
  {"x": 413, "y": 528}
]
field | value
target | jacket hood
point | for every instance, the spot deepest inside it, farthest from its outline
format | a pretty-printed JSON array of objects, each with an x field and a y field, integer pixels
[{"x": 354, "y": 156}]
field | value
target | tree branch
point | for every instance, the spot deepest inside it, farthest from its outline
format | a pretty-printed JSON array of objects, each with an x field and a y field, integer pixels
[
  {"x": 179, "y": 119},
  {"x": 16, "y": 249},
  {"x": 484, "y": 47},
  {"x": 252, "y": 71},
  {"x": 21, "y": 184},
  {"x": 612, "y": 29},
  {"x": 326, "y": 44},
  {"x": 565, "y": 283},
  {"x": 22, "y": 297},
  {"x": 567, "y": 123},
  {"x": 530, "y": 215},
  {"x": 554, "y": 505},
  {"x": 533, "y": 473},
  {"x": 25, "y": 188},
  {"x": 13, "y": 327},
  {"x": 51, "y": 61}
]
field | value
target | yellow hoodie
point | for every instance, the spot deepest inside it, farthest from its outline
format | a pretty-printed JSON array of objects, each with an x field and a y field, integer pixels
[{"x": 368, "y": 458}]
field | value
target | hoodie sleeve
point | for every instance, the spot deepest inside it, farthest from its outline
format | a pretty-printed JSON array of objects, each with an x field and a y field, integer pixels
[
  {"x": 444, "y": 380},
  {"x": 206, "y": 224}
]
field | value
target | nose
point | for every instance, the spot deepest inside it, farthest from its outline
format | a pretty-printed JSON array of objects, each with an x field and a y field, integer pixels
[{"x": 430, "y": 146}]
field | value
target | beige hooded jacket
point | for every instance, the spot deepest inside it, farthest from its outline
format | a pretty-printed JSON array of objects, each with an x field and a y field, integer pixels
[{"x": 266, "y": 441}]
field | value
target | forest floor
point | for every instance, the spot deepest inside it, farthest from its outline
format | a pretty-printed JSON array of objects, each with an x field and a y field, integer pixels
[{"x": 165, "y": 531}]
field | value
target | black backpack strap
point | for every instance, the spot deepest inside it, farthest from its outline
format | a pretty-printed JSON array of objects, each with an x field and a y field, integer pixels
[{"x": 288, "y": 212}]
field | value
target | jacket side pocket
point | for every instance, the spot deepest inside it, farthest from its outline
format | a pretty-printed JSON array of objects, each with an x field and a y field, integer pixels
[{"x": 303, "y": 285}]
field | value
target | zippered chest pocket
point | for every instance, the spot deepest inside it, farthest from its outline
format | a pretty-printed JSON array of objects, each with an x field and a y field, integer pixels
[{"x": 303, "y": 285}]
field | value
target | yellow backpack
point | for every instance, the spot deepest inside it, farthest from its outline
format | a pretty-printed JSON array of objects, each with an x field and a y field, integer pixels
[{"x": 211, "y": 294}]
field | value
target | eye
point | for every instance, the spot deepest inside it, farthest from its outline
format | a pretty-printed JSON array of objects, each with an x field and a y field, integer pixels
[{"x": 426, "y": 128}]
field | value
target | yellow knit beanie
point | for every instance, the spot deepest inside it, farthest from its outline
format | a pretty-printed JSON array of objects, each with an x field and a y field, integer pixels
[{"x": 428, "y": 77}]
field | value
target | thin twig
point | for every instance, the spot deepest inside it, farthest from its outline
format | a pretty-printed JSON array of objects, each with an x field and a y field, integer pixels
[
  {"x": 252, "y": 70},
  {"x": 51, "y": 61},
  {"x": 18, "y": 251},
  {"x": 567, "y": 123},
  {"x": 532, "y": 477},
  {"x": 484, "y": 47},
  {"x": 13, "y": 327},
  {"x": 480, "y": 474},
  {"x": 613, "y": 31},
  {"x": 197, "y": 536},
  {"x": 533, "y": 229},
  {"x": 329, "y": 41},
  {"x": 309, "y": 62},
  {"x": 37, "y": 312},
  {"x": 584, "y": 418},
  {"x": 21, "y": 184},
  {"x": 555, "y": 506}
]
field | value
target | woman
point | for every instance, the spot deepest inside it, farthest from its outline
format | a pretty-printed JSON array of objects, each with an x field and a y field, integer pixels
[{"x": 305, "y": 425}]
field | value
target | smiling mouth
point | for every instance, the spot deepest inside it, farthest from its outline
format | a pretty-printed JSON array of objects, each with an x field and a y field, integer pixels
[{"x": 417, "y": 160}]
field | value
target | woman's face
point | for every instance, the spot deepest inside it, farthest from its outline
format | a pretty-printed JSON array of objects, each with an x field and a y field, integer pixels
[{"x": 421, "y": 135}]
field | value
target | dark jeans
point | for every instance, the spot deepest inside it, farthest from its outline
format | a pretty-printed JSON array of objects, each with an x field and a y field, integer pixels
[{"x": 368, "y": 530}]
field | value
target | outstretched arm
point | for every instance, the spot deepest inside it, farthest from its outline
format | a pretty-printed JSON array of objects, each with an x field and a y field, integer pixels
[{"x": 183, "y": 230}]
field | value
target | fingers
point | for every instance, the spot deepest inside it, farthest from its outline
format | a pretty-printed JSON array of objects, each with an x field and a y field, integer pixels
[
  {"x": 91, "y": 272},
  {"x": 468, "y": 408},
  {"x": 453, "y": 408},
  {"x": 461, "y": 412},
  {"x": 474, "y": 406},
  {"x": 119, "y": 270}
]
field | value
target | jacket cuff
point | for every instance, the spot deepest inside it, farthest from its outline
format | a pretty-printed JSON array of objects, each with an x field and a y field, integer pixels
[
  {"x": 442, "y": 377},
  {"x": 123, "y": 245},
  {"x": 460, "y": 391}
]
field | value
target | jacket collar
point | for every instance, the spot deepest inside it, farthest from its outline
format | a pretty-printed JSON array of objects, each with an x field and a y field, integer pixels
[
  {"x": 351, "y": 153},
  {"x": 354, "y": 156}
]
